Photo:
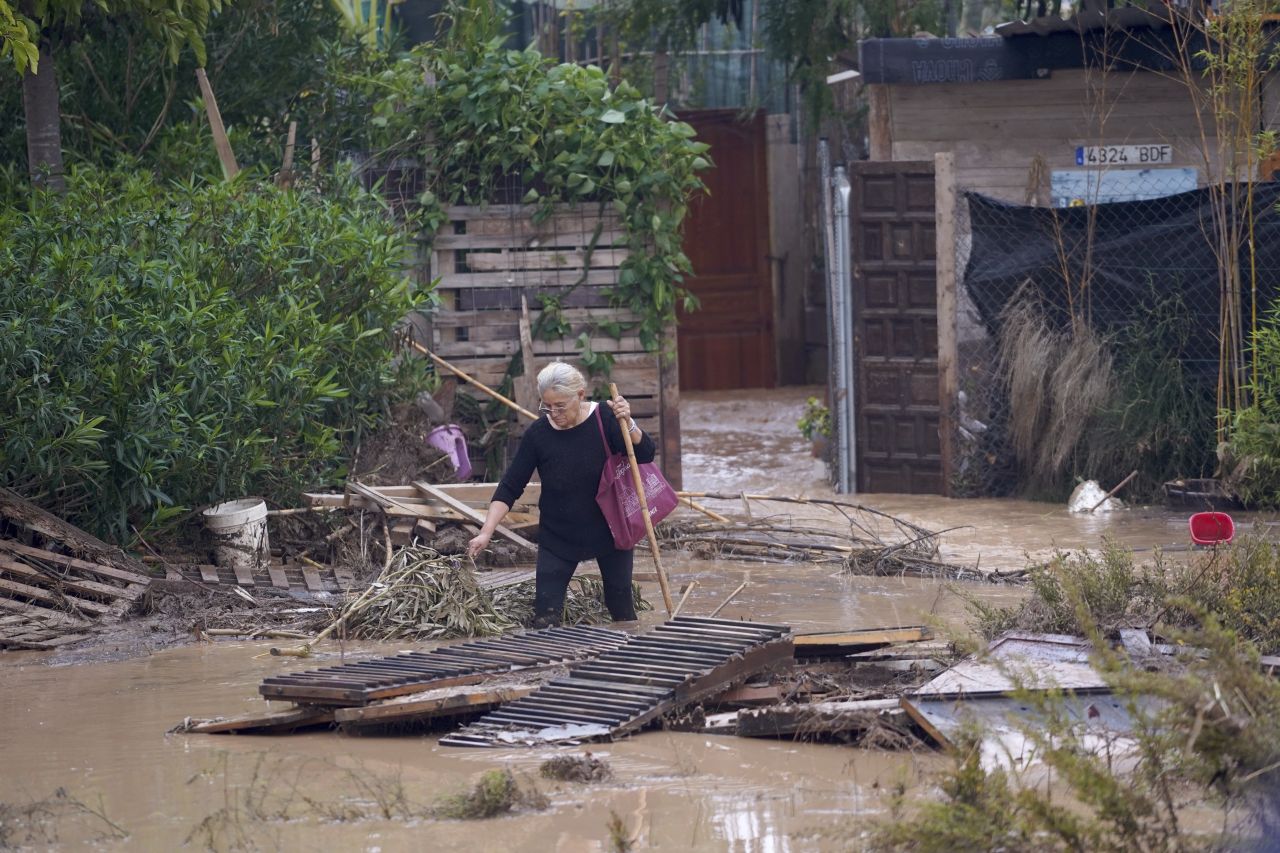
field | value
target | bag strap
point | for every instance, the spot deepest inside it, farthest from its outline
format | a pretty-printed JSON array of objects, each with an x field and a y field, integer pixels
[{"x": 608, "y": 451}]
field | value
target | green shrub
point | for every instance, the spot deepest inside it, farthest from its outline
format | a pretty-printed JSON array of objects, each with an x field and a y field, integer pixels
[
  {"x": 1252, "y": 453},
  {"x": 163, "y": 347}
]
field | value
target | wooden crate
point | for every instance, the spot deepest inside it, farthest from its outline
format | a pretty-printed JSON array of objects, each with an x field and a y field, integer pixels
[{"x": 485, "y": 259}]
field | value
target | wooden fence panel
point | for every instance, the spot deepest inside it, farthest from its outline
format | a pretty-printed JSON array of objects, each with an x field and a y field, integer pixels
[{"x": 485, "y": 259}]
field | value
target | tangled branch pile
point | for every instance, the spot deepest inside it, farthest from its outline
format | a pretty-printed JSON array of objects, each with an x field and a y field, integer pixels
[
  {"x": 860, "y": 539},
  {"x": 424, "y": 595}
]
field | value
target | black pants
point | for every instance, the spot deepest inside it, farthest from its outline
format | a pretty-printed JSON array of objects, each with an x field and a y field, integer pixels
[{"x": 554, "y": 574}]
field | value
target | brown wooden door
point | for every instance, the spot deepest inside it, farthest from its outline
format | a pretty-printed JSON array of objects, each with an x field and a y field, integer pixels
[
  {"x": 895, "y": 317},
  {"x": 728, "y": 342}
]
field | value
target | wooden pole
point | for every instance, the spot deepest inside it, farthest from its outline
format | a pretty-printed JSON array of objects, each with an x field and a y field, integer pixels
[
  {"x": 476, "y": 382},
  {"x": 1117, "y": 488},
  {"x": 725, "y": 603},
  {"x": 688, "y": 589},
  {"x": 220, "y": 141},
  {"x": 644, "y": 506}
]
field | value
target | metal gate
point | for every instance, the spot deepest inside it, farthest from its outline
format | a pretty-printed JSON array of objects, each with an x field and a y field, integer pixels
[{"x": 895, "y": 328}]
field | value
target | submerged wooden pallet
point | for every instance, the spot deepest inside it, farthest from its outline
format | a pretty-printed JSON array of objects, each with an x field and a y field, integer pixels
[
  {"x": 361, "y": 683},
  {"x": 620, "y": 692},
  {"x": 58, "y": 584}
]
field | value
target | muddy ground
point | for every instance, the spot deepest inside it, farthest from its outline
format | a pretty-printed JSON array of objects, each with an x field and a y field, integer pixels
[{"x": 91, "y": 722}]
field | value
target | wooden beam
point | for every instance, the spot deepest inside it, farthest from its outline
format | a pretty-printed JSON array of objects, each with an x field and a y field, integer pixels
[
  {"x": 880, "y": 122},
  {"x": 849, "y": 642},
  {"x": 814, "y": 718},
  {"x": 268, "y": 721},
  {"x": 945, "y": 200},
  {"x": 669, "y": 407},
  {"x": 444, "y": 702},
  {"x": 474, "y": 515}
]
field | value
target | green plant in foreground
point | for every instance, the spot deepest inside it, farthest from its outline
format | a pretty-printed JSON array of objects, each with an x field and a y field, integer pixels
[{"x": 1194, "y": 769}]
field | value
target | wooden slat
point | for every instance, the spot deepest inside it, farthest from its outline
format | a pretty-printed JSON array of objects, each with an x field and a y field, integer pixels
[
  {"x": 110, "y": 593},
  {"x": 278, "y": 578},
  {"x": 431, "y": 703},
  {"x": 269, "y": 721},
  {"x": 44, "y": 614},
  {"x": 525, "y": 278},
  {"x": 41, "y": 594},
  {"x": 312, "y": 579},
  {"x": 573, "y": 234},
  {"x": 244, "y": 575},
  {"x": 209, "y": 574},
  {"x": 518, "y": 261},
  {"x": 62, "y": 559},
  {"x": 454, "y": 503}
]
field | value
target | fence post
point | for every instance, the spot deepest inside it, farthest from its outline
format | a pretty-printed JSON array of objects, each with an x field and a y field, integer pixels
[{"x": 944, "y": 182}]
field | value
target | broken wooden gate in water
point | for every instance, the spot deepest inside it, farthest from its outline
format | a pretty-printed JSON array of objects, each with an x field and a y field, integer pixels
[{"x": 895, "y": 332}]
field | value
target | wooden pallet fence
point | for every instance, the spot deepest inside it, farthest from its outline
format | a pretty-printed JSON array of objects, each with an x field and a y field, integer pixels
[
  {"x": 58, "y": 584},
  {"x": 486, "y": 258}
]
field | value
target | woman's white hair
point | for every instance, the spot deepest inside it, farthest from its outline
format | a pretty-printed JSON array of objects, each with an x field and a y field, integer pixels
[{"x": 560, "y": 377}]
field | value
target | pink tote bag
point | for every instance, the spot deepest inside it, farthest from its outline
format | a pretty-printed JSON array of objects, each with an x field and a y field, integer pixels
[{"x": 618, "y": 499}]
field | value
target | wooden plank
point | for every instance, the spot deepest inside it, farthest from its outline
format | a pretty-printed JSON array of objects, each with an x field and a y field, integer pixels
[
  {"x": 209, "y": 574},
  {"x": 441, "y": 702},
  {"x": 345, "y": 578},
  {"x": 278, "y": 578},
  {"x": 848, "y": 642},
  {"x": 529, "y": 279},
  {"x": 454, "y": 503},
  {"x": 58, "y": 601},
  {"x": 244, "y": 575},
  {"x": 945, "y": 201},
  {"x": 110, "y": 593},
  {"x": 814, "y": 718},
  {"x": 43, "y": 645},
  {"x": 268, "y": 721},
  {"x": 312, "y": 579},
  {"x": 72, "y": 562},
  {"x": 43, "y": 614},
  {"x": 518, "y": 261},
  {"x": 573, "y": 235}
]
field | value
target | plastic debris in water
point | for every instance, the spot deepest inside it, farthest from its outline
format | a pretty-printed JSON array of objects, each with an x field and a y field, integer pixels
[{"x": 1087, "y": 495}]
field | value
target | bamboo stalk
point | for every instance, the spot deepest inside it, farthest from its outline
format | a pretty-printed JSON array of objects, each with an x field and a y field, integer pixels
[
  {"x": 644, "y": 506},
  {"x": 476, "y": 382},
  {"x": 220, "y": 141}
]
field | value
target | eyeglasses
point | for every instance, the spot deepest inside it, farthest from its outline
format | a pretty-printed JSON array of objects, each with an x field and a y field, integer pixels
[{"x": 555, "y": 408}]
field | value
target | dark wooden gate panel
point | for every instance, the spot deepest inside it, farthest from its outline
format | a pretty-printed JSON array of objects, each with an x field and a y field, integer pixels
[
  {"x": 895, "y": 328},
  {"x": 728, "y": 342}
]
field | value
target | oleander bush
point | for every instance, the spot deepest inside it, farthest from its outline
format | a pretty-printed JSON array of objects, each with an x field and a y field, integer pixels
[{"x": 163, "y": 347}]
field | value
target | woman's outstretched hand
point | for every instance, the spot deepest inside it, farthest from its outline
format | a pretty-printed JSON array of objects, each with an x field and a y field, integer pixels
[{"x": 478, "y": 544}]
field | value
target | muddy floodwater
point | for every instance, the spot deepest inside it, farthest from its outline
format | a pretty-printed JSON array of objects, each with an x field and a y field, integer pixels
[{"x": 96, "y": 732}]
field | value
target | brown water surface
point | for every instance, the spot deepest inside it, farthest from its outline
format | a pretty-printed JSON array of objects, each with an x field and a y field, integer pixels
[{"x": 97, "y": 731}]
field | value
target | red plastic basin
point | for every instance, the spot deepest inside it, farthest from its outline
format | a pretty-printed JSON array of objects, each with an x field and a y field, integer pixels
[{"x": 1212, "y": 528}]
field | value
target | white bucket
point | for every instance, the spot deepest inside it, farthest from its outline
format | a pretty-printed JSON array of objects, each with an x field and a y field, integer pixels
[{"x": 240, "y": 530}]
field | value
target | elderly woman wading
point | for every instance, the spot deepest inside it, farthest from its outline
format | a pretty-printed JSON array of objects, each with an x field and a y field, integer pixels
[{"x": 569, "y": 453}]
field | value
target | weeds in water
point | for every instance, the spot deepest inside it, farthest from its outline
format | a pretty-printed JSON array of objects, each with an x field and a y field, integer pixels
[
  {"x": 496, "y": 792},
  {"x": 620, "y": 840},
  {"x": 57, "y": 819},
  {"x": 1238, "y": 584},
  {"x": 576, "y": 768}
]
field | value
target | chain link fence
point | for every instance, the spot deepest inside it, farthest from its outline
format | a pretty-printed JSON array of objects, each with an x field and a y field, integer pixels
[{"x": 1089, "y": 331}]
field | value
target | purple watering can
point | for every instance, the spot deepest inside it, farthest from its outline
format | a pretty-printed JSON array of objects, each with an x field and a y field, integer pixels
[{"x": 450, "y": 441}]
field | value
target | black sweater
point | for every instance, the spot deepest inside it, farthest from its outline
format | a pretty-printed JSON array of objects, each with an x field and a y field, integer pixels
[{"x": 569, "y": 463}]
